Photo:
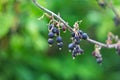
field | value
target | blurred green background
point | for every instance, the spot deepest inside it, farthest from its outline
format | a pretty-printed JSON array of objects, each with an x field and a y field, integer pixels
[{"x": 26, "y": 55}]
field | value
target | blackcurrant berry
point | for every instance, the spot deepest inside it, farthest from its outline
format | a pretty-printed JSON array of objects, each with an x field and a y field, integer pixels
[
  {"x": 71, "y": 46},
  {"x": 57, "y": 31},
  {"x": 73, "y": 34},
  {"x": 76, "y": 38},
  {"x": 60, "y": 45},
  {"x": 84, "y": 36},
  {"x": 51, "y": 34},
  {"x": 51, "y": 26},
  {"x": 54, "y": 30},
  {"x": 99, "y": 60},
  {"x": 59, "y": 39},
  {"x": 80, "y": 32},
  {"x": 50, "y": 41},
  {"x": 75, "y": 51},
  {"x": 77, "y": 41}
]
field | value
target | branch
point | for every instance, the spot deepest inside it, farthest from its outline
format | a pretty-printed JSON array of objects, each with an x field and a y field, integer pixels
[
  {"x": 70, "y": 28},
  {"x": 113, "y": 9}
]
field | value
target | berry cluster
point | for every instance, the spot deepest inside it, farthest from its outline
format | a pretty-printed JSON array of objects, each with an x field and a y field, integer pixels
[
  {"x": 97, "y": 55},
  {"x": 74, "y": 47},
  {"x": 54, "y": 31}
]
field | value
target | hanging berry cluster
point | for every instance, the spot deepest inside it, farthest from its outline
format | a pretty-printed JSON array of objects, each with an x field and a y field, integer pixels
[
  {"x": 54, "y": 31},
  {"x": 55, "y": 27},
  {"x": 57, "y": 24},
  {"x": 97, "y": 55},
  {"x": 77, "y": 35}
]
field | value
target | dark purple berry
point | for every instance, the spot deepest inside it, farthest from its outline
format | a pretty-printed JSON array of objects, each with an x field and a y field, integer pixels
[
  {"x": 50, "y": 41},
  {"x": 80, "y": 32},
  {"x": 77, "y": 41},
  {"x": 76, "y": 38},
  {"x": 84, "y": 36},
  {"x": 99, "y": 60},
  {"x": 73, "y": 34},
  {"x": 51, "y": 34},
  {"x": 71, "y": 46},
  {"x": 60, "y": 45},
  {"x": 51, "y": 26},
  {"x": 59, "y": 39},
  {"x": 75, "y": 51},
  {"x": 57, "y": 31},
  {"x": 54, "y": 30}
]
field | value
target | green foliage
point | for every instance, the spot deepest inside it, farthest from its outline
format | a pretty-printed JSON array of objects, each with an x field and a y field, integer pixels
[{"x": 26, "y": 55}]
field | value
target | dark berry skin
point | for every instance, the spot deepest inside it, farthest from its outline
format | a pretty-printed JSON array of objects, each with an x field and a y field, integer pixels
[
  {"x": 80, "y": 32},
  {"x": 73, "y": 34},
  {"x": 50, "y": 41},
  {"x": 54, "y": 30},
  {"x": 51, "y": 35},
  {"x": 59, "y": 39},
  {"x": 71, "y": 46},
  {"x": 99, "y": 60},
  {"x": 57, "y": 31},
  {"x": 76, "y": 38},
  {"x": 60, "y": 45},
  {"x": 77, "y": 41},
  {"x": 51, "y": 26},
  {"x": 84, "y": 36}
]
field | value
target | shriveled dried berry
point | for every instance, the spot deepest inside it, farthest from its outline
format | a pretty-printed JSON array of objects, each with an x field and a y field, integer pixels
[{"x": 63, "y": 28}]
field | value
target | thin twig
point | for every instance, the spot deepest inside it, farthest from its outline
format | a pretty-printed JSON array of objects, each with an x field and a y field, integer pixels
[
  {"x": 113, "y": 9},
  {"x": 70, "y": 28}
]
